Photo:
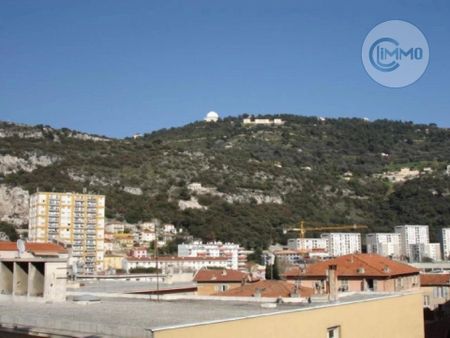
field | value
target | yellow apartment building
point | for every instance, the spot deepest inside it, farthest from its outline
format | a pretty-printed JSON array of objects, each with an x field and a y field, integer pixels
[{"x": 71, "y": 218}]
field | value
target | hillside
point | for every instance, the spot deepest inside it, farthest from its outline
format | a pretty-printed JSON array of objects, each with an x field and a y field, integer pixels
[{"x": 241, "y": 183}]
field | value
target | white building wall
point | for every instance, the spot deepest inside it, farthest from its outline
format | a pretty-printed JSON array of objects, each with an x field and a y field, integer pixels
[
  {"x": 384, "y": 244},
  {"x": 211, "y": 249},
  {"x": 342, "y": 243},
  {"x": 307, "y": 244},
  {"x": 430, "y": 250},
  {"x": 411, "y": 236},
  {"x": 446, "y": 243}
]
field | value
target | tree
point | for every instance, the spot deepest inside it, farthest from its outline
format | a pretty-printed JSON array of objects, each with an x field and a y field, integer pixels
[
  {"x": 9, "y": 230},
  {"x": 272, "y": 271}
]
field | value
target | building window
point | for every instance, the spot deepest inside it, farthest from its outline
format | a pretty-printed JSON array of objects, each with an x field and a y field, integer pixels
[
  {"x": 344, "y": 285},
  {"x": 426, "y": 301},
  {"x": 333, "y": 332}
]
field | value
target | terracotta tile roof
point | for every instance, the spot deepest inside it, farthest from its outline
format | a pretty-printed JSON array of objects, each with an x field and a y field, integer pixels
[
  {"x": 219, "y": 275},
  {"x": 267, "y": 288},
  {"x": 435, "y": 279},
  {"x": 33, "y": 247},
  {"x": 356, "y": 265}
]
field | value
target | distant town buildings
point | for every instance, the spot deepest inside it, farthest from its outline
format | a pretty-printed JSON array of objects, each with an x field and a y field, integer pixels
[
  {"x": 71, "y": 218},
  {"x": 342, "y": 243},
  {"x": 384, "y": 244},
  {"x": 307, "y": 244},
  {"x": 174, "y": 264},
  {"x": 233, "y": 252},
  {"x": 256, "y": 121}
]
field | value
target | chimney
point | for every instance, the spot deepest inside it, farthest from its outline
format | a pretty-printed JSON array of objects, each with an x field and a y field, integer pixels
[
  {"x": 332, "y": 283},
  {"x": 258, "y": 292}
]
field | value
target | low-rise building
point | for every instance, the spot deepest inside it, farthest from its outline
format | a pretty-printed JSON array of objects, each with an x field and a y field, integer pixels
[
  {"x": 211, "y": 281},
  {"x": 146, "y": 236},
  {"x": 115, "y": 227},
  {"x": 124, "y": 241},
  {"x": 113, "y": 261},
  {"x": 173, "y": 264},
  {"x": 358, "y": 272},
  {"x": 39, "y": 273},
  {"x": 233, "y": 252},
  {"x": 435, "y": 288},
  {"x": 371, "y": 315},
  {"x": 268, "y": 289},
  {"x": 139, "y": 252},
  {"x": 288, "y": 257}
]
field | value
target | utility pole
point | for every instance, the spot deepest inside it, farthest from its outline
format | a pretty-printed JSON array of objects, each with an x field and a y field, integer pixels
[{"x": 157, "y": 223}]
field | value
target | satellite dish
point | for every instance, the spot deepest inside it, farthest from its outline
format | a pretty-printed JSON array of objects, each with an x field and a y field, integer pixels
[
  {"x": 3, "y": 236},
  {"x": 20, "y": 247}
]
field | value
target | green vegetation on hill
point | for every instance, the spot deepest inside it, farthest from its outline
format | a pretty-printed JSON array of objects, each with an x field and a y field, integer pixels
[{"x": 325, "y": 172}]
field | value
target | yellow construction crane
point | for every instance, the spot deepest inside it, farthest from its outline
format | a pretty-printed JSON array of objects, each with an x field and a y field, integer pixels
[{"x": 302, "y": 229}]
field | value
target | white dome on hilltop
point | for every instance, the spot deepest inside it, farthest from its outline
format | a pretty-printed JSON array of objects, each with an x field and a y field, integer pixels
[{"x": 212, "y": 116}]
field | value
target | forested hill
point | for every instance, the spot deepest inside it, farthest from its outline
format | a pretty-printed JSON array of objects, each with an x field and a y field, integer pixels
[{"x": 242, "y": 183}]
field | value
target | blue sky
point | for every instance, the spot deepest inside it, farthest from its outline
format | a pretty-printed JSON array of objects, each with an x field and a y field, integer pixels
[{"x": 120, "y": 67}]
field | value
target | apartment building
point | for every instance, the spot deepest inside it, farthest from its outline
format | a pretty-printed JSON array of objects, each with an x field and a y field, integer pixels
[
  {"x": 342, "y": 243},
  {"x": 411, "y": 236},
  {"x": 307, "y": 244},
  {"x": 171, "y": 264},
  {"x": 71, "y": 218},
  {"x": 446, "y": 243},
  {"x": 384, "y": 244},
  {"x": 233, "y": 252},
  {"x": 430, "y": 250}
]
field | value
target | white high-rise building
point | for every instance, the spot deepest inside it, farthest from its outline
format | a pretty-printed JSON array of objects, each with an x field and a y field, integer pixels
[
  {"x": 342, "y": 243},
  {"x": 429, "y": 250},
  {"x": 446, "y": 243},
  {"x": 411, "y": 236},
  {"x": 307, "y": 244},
  {"x": 384, "y": 244},
  {"x": 71, "y": 218}
]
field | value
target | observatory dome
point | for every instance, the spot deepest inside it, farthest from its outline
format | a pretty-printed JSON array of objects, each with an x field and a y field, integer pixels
[{"x": 212, "y": 117}]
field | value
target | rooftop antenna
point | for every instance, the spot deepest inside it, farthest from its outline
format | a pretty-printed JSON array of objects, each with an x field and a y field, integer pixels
[{"x": 20, "y": 247}]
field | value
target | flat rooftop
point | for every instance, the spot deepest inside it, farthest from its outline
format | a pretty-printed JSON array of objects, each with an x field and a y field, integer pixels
[
  {"x": 137, "y": 317},
  {"x": 121, "y": 286}
]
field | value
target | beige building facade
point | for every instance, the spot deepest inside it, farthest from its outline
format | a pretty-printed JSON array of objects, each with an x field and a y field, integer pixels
[{"x": 394, "y": 317}]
